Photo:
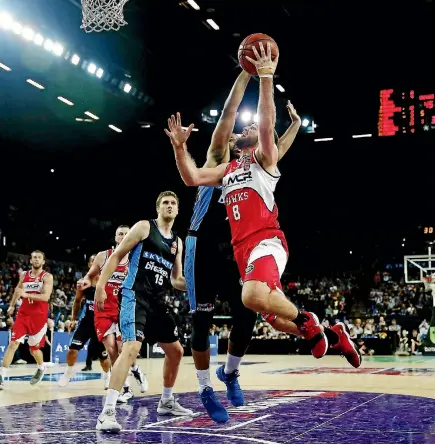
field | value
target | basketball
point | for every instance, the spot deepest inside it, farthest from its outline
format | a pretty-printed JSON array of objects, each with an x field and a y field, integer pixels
[{"x": 245, "y": 49}]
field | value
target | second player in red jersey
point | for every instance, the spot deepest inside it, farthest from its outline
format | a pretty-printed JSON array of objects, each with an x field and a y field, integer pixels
[{"x": 34, "y": 288}]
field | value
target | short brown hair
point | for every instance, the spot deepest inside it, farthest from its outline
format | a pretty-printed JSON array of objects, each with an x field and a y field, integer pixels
[
  {"x": 38, "y": 251},
  {"x": 167, "y": 193}
]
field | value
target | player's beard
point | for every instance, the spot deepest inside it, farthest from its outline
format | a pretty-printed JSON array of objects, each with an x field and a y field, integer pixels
[{"x": 244, "y": 142}]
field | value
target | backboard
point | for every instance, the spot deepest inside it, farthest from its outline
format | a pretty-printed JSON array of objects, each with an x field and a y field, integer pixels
[{"x": 418, "y": 266}]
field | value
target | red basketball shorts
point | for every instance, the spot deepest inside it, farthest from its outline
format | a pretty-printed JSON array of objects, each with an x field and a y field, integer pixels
[
  {"x": 35, "y": 326},
  {"x": 263, "y": 257},
  {"x": 106, "y": 324}
]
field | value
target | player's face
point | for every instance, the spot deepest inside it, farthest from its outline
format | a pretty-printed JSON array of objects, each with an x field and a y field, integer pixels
[
  {"x": 248, "y": 138},
  {"x": 37, "y": 260},
  {"x": 168, "y": 208},
  {"x": 232, "y": 144},
  {"x": 120, "y": 234}
]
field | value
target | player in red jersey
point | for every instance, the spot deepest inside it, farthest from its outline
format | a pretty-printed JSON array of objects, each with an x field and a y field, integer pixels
[
  {"x": 106, "y": 315},
  {"x": 35, "y": 287},
  {"x": 248, "y": 184}
]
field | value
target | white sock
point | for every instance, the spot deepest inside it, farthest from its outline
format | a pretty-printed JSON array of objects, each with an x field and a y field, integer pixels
[
  {"x": 111, "y": 398},
  {"x": 203, "y": 378},
  {"x": 42, "y": 367},
  {"x": 135, "y": 368},
  {"x": 70, "y": 370},
  {"x": 3, "y": 371},
  {"x": 126, "y": 383},
  {"x": 106, "y": 373},
  {"x": 232, "y": 363},
  {"x": 167, "y": 393}
]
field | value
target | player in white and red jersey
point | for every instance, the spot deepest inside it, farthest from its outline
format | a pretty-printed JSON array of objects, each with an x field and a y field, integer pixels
[
  {"x": 248, "y": 184},
  {"x": 35, "y": 287},
  {"x": 106, "y": 315}
]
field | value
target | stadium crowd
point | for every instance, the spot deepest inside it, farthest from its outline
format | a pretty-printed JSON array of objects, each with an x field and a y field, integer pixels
[{"x": 392, "y": 309}]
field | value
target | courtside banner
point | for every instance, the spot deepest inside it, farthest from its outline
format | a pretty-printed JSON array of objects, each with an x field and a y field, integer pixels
[{"x": 60, "y": 345}]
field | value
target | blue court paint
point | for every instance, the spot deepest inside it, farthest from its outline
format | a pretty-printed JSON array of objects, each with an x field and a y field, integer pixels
[
  {"x": 273, "y": 416},
  {"x": 54, "y": 377}
]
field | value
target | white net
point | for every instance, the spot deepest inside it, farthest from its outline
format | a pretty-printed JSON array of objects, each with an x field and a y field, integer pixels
[{"x": 103, "y": 15}]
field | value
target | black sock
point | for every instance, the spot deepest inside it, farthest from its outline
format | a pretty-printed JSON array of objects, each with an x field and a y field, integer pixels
[
  {"x": 332, "y": 336},
  {"x": 300, "y": 319}
]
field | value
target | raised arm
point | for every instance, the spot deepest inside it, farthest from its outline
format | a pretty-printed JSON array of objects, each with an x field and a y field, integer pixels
[
  {"x": 177, "y": 279},
  {"x": 266, "y": 151},
  {"x": 93, "y": 272},
  {"x": 190, "y": 173},
  {"x": 218, "y": 151},
  {"x": 287, "y": 139}
]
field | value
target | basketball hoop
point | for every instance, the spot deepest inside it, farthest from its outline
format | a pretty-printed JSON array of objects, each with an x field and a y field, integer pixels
[{"x": 103, "y": 15}]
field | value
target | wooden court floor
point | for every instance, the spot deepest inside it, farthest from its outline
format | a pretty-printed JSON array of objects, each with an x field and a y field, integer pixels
[{"x": 287, "y": 399}]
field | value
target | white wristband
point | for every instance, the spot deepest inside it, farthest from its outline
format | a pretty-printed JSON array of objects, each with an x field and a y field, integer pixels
[{"x": 270, "y": 76}]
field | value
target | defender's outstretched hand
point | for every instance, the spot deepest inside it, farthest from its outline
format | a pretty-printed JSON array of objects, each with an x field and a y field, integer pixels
[{"x": 177, "y": 134}]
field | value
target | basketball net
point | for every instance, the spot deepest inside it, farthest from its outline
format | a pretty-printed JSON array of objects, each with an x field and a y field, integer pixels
[{"x": 103, "y": 15}]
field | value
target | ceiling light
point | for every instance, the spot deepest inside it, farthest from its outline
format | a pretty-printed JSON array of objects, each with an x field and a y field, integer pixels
[
  {"x": 88, "y": 113},
  {"x": 213, "y": 112},
  {"x": 75, "y": 59},
  {"x": 213, "y": 24},
  {"x": 256, "y": 118},
  {"x": 52, "y": 170},
  {"x": 65, "y": 101},
  {"x": 305, "y": 122},
  {"x": 127, "y": 87},
  {"x": 145, "y": 126},
  {"x": 323, "y": 139},
  {"x": 88, "y": 120},
  {"x": 357, "y": 136},
  {"x": 35, "y": 84},
  {"x": 79, "y": 119},
  {"x": 280, "y": 88},
  {"x": 28, "y": 33},
  {"x": 48, "y": 45},
  {"x": 193, "y": 129},
  {"x": 246, "y": 116},
  {"x": 6, "y": 20},
  {"x": 193, "y": 4},
  {"x": 99, "y": 73},
  {"x": 118, "y": 130},
  {"x": 58, "y": 49},
  {"x": 51, "y": 232},
  {"x": 17, "y": 27},
  {"x": 92, "y": 68},
  {"x": 38, "y": 40},
  {"x": 4, "y": 67}
]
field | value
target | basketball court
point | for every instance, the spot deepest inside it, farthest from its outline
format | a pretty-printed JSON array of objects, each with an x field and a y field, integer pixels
[{"x": 289, "y": 399}]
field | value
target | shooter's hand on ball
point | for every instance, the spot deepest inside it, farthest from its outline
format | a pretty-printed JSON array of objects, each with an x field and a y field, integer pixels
[
  {"x": 265, "y": 65},
  {"x": 177, "y": 134}
]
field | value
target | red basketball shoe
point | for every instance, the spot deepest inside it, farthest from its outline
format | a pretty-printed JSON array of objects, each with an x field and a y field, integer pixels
[
  {"x": 312, "y": 331},
  {"x": 346, "y": 346}
]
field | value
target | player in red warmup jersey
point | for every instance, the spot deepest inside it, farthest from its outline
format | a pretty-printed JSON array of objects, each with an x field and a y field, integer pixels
[
  {"x": 35, "y": 287},
  {"x": 248, "y": 184},
  {"x": 106, "y": 314}
]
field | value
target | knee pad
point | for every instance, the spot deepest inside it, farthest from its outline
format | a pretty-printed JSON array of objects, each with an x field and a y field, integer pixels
[
  {"x": 241, "y": 333},
  {"x": 201, "y": 322}
]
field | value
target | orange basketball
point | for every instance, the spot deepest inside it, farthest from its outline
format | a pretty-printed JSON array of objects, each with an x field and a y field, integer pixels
[{"x": 245, "y": 49}]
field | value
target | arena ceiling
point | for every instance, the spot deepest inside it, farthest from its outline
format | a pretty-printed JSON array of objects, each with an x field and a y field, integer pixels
[{"x": 335, "y": 58}]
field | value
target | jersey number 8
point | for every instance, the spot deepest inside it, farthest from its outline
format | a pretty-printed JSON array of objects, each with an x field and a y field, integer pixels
[{"x": 236, "y": 212}]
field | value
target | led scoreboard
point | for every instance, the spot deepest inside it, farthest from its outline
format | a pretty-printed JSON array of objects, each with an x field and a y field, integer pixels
[{"x": 404, "y": 112}]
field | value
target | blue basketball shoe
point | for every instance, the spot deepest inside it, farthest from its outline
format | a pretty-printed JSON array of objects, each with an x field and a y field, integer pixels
[
  {"x": 215, "y": 409},
  {"x": 234, "y": 392}
]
